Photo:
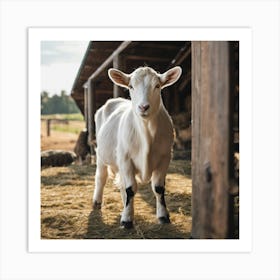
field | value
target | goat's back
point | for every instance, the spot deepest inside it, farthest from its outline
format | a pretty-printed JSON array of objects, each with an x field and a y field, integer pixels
[{"x": 110, "y": 108}]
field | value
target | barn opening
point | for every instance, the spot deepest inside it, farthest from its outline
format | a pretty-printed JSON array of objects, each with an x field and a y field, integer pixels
[{"x": 204, "y": 106}]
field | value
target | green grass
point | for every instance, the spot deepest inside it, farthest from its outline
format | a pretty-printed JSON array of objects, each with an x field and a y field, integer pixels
[
  {"x": 68, "y": 129},
  {"x": 70, "y": 117}
]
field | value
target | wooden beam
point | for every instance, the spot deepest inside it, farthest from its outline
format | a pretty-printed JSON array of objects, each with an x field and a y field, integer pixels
[
  {"x": 210, "y": 139},
  {"x": 105, "y": 45},
  {"x": 181, "y": 55},
  {"x": 234, "y": 182},
  {"x": 147, "y": 58},
  {"x": 158, "y": 45},
  {"x": 98, "y": 58},
  {"x": 98, "y": 93},
  {"x": 91, "y": 111},
  {"x": 84, "y": 78},
  {"x": 118, "y": 63},
  {"x": 86, "y": 106},
  {"x": 109, "y": 60}
]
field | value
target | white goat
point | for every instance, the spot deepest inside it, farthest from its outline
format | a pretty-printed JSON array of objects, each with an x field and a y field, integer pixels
[{"x": 134, "y": 138}]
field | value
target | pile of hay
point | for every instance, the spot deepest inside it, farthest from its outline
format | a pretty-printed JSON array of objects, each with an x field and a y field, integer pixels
[
  {"x": 66, "y": 206},
  {"x": 57, "y": 158}
]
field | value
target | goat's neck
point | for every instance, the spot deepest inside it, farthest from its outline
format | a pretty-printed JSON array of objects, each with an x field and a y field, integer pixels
[
  {"x": 147, "y": 130},
  {"x": 149, "y": 127}
]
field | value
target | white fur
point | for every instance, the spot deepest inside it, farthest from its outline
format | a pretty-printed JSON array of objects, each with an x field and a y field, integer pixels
[{"x": 133, "y": 142}]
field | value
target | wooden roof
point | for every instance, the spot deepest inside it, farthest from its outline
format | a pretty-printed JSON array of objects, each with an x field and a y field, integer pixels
[{"x": 160, "y": 55}]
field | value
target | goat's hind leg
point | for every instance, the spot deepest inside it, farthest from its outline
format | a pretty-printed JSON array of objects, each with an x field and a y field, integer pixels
[{"x": 100, "y": 181}]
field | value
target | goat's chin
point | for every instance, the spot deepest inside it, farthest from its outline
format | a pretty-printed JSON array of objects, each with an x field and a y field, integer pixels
[{"x": 144, "y": 116}]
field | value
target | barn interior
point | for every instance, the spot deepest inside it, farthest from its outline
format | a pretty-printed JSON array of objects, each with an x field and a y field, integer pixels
[
  {"x": 100, "y": 56},
  {"x": 92, "y": 87}
]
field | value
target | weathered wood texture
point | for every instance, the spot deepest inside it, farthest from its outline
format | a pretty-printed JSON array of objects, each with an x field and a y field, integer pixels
[
  {"x": 48, "y": 127},
  {"x": 109, "y": 60},
  {"x": 86, "y": 106},
  {"x": 233, "y": 134},
  {"x": 118, "y": 63},
  {"x": 210, "y": 139},
  {"x": 91, "y": 112}
]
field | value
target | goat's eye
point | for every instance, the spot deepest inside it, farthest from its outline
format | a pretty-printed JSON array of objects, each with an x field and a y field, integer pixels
[{"x": 158, "y": 86}]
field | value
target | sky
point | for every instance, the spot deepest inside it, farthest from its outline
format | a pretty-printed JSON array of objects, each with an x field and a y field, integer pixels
[{"x": 60, "y": 62}]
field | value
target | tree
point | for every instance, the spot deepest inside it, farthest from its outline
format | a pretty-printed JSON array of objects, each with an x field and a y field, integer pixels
[{"x": 58, "y": 104}]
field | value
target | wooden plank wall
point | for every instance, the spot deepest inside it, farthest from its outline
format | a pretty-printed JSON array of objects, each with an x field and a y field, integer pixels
[{"x": 210, "y": 139}]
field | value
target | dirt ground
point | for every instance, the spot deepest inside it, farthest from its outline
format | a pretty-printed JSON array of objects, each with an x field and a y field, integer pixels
[
  {"x": 58, "y": 140},
  {"x": 66, "y": 202}
]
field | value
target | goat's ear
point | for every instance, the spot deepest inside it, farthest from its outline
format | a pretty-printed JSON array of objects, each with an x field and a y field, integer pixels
[
  {"x": 170, "y": 77},
  {"x": 118, "y": 77}
]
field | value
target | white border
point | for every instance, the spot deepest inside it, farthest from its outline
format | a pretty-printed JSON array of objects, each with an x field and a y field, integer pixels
[
  {"x": 36, "y": 35},
  {"x": 262, "y": 16}
]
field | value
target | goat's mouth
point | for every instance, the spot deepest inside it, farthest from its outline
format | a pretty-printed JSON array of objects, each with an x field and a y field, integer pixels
[{"x": 144, "y": 114}]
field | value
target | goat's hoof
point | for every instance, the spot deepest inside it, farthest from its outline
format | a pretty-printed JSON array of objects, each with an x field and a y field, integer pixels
[
  {"x": 97, "y": 205},
  {"x": 164, "y": 220},
  {"x": 126, "y": 225}
]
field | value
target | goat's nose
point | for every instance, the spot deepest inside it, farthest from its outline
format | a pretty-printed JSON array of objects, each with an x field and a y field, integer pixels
[{"x": 144, "y": 108}]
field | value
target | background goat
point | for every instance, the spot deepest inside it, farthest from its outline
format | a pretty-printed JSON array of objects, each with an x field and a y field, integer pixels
[{"x": 134, "y": 138}]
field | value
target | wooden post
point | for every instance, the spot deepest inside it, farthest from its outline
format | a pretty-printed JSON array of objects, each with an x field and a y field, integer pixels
[
  {"x": 234, "y": 186},
  {"x": 86, "y": 106},
  {"x": 118, "y": 64},
  {"x": 48, "y": 127},
  {"x": 91, "y": 112},
  {"x": 210, "y": 139}
]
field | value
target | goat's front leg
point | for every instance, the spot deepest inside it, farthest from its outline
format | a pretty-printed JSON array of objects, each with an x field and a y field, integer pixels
[
  {"x": 128, "y": 190},
  {"x": 158, "y": 187}
]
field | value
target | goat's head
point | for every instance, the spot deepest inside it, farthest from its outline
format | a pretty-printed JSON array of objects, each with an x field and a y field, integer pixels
[{"x": 145, "y": 85}]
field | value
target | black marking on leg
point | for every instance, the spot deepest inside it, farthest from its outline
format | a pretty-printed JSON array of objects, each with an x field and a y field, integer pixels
[
  {"x": 129, "y": 195},
  {"x": 160, "y": 190},
  {"x": 164, "y": 220},
  {"x": 126, "y": 225},
  {"x": 97, "y": 205}
]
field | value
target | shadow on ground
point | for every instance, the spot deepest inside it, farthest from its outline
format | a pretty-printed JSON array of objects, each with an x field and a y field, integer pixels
[{"x": 97, "y": 228}]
